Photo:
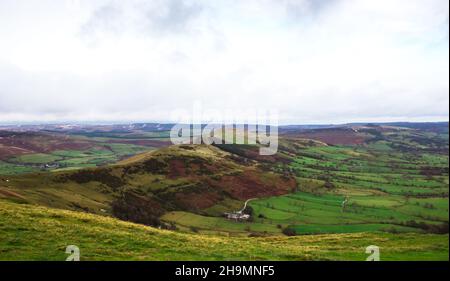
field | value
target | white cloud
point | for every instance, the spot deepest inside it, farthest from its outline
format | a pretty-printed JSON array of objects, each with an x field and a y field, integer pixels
[{"x": 315, "y": 61}]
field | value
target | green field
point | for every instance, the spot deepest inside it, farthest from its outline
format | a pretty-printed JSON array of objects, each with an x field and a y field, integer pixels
[
  {"x": 103, "y": 154},
  {"x": 307, "y": 213},
  {"x": 207, "y": 224},
  {"x": 13, "y": 169},
  {"x": 38, "y": 158},
  {"x": 388, "y": 190},
  {"x": 104, "y": 238}
]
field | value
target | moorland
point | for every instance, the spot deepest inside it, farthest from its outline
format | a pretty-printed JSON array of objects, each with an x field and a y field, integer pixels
[{"x": 124, "y": 192}]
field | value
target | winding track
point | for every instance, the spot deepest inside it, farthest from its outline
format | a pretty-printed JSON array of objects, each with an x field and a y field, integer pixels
[{"x": 245, "y": 204}]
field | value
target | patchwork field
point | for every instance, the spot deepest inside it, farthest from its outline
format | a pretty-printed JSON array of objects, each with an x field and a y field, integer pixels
[
  {"x": 390, "y": 184},
  {"x": 26, "y": 152},
  {"x": 104, "y": 238}
]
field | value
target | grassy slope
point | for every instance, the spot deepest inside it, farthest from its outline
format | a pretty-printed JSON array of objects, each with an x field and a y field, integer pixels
[
  {"x": 186, "y": 179},
  {"x": 29, "y": 232},
  {"x": 384, "y": 186}
]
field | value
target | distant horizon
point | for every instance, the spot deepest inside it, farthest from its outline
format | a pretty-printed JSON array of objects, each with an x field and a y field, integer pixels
[{"x": 111, "y": 123}]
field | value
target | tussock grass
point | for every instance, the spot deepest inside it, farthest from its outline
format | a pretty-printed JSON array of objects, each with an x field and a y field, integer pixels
[{"x": 29, "y": 232}]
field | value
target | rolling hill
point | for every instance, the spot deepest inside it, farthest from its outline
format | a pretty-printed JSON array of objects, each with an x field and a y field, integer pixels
[
  {"x": 142, "y": 188},
  {"x": 29, "y": 232},
  {"x": 394, "y": 181}
]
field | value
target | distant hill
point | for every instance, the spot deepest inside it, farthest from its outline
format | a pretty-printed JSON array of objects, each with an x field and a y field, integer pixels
[{"x": 142, "y": 188}]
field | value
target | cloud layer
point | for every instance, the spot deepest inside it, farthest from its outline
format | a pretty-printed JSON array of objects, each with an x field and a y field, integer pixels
[{"x": 322, "y": 61}]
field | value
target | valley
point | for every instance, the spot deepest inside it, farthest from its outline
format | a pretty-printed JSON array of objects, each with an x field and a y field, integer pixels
[
  {"x": 376, "y": 182},
  {"x": 102, "y": 238}
]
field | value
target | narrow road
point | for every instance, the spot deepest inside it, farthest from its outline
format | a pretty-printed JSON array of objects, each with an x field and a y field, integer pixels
[{"x": 245, "y": 204}]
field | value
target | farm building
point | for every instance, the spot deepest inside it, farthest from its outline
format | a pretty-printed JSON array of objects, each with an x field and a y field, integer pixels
[{"x": 237, "y": 216}]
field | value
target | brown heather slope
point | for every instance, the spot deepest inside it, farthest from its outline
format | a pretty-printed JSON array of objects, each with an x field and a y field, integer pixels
[
  {"x": 333, "y": 136},
  {"x": 142, "y": 188},
  {"x": 19, "y": 143}
]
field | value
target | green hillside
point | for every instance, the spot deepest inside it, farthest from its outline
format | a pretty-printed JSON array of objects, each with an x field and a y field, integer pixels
[
  {"x": 142, "y": 188},
  {"x": 29, "y": 232},
  {"x": 326, "y": 194},
  {"x": 395, "y": 180}
]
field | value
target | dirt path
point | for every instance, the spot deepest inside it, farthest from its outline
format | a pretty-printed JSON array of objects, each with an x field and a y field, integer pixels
[{"x": 245, "y": 204}]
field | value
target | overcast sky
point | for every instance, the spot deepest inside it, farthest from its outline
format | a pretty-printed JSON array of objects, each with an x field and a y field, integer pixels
[{"x": 315, "y": 61}]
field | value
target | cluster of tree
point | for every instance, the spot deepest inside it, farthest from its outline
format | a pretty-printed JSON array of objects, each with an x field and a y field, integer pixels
[
  {"x": 441, "y": 228},
  {"x": 289, "y": 231},
  {"x": 139, "y": 208}
]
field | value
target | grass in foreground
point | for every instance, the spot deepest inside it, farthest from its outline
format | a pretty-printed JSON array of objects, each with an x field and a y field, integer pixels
[{"x": 28, "y": 232}]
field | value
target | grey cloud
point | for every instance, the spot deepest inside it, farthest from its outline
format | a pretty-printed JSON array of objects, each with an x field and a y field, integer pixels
[
  {"x": 173, "y": 16},
  {"x": 316, "y": 61},
  {"x": 63, "y": 94},
  {"x": 107, "y": 18},
  {"x": 148, "y": 17},
  {"x": 307, "y": 8}
]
